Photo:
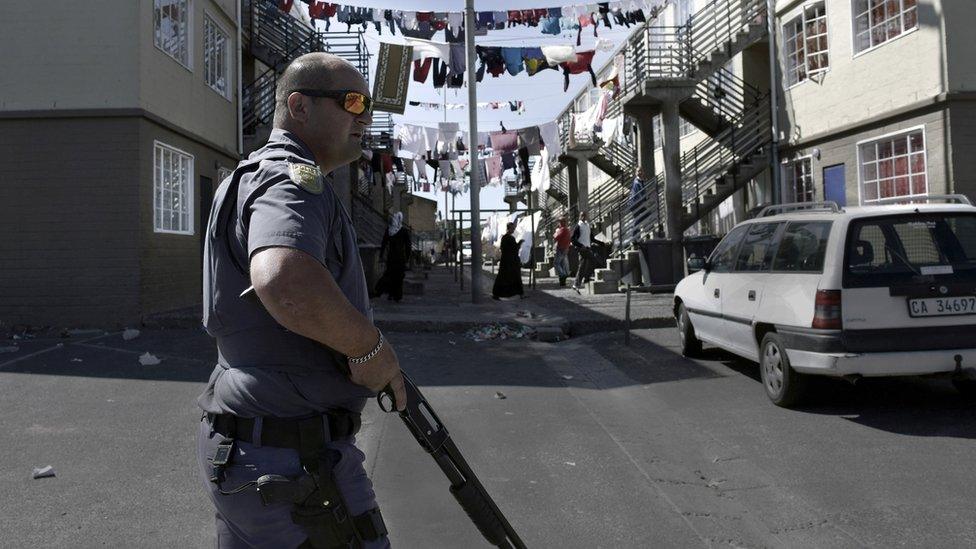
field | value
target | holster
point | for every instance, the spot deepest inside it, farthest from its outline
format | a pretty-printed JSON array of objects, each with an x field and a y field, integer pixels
[{"x": 320, "y": 508}]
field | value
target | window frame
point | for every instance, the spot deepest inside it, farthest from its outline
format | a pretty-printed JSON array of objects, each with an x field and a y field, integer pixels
[
  {"x": 788, "y": 173},
  {"x": 157, "y": 33},
  {"x": 860, "y": 164},
  {"x": 218, "y": 28},
  {"x": 854, "y": 52},
  {"x": 808, "y": 75},
  {"x": 188, "y": 189}
]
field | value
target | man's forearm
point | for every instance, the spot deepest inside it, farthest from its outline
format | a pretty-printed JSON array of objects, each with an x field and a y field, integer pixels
[{"x": 303, "y": 297}]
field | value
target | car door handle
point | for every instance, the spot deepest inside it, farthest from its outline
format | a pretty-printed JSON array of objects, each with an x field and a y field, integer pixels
[
  {"x": 752, "y": 295},
  {"x": 716, "y": 292}
]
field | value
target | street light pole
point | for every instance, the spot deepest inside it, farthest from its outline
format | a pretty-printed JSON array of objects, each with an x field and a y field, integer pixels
[{"x": 476, "y": 261}]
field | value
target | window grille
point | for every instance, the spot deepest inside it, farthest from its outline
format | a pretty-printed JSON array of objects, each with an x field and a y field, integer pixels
[
  {"x": 894, "y": 167},
  {"x": 805, "y": 39},
  {"x": 877, "y": 21},
  {"x": 171, "y": 29},
  {"x": 172, "y": 198},
  {"x": 215, "y": 57}
]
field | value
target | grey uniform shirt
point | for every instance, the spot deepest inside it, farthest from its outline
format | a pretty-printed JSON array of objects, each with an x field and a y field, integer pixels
[{"x": 276, "y": 197}]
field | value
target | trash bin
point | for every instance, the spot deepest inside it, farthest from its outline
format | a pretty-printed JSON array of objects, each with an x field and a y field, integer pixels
[
  {"x": 656, "y": 254},
  {"x": 700, "y": 246}
]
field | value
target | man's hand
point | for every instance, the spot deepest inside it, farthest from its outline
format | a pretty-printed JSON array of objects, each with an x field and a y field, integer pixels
[{"x": 380, "y": 371}]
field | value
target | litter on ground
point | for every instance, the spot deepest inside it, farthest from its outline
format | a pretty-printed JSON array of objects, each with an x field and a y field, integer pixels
[
  {"x": 498, "y": 331},
  {"x": 147, "y": 359},
  {"x": 43, "y": 472},
  {"x": 500, "y": 395},
  {"x": 130, "y": 334}
]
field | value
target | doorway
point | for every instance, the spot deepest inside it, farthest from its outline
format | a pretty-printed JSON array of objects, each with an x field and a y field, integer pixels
[{"x": 835, "y": 184}]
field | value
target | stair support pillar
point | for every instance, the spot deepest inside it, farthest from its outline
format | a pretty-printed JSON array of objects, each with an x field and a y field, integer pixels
[{"x": 672, "y": 183}]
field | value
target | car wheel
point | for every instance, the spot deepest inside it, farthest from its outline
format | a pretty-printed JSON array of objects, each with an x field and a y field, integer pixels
[
  {"x": 691, "y": 346},
  {"x": 784, "y": 385},
  {"x": 966, "y": 387}
]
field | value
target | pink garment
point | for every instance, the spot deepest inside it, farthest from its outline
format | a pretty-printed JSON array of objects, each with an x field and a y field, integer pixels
[
  {"x": 494, "y": 166},
  {"x": 502, "y": 142}
]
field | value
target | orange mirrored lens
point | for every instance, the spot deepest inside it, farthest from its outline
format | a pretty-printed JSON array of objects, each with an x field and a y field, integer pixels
[{"x": 355, "y": 103}]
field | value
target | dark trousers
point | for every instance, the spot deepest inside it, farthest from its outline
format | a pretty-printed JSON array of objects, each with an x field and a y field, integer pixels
[{"x": 585, "y": 264}]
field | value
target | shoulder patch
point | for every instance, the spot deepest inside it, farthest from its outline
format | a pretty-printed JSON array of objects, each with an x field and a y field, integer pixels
[{"x": 307, "y": 177}]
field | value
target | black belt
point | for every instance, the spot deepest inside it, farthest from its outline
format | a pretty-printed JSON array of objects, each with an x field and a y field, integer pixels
[{"x": 284, "y": 432}]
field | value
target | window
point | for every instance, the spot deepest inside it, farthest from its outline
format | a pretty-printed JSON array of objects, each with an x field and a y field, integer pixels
[
  {"x": 215, "y": 57},
  {"x": 756, "y": 253},
  {"x": 724, "y": 255},
  {"x": 893, "y": 167},
  {"x": 805, "y": 39},
  {"x": 877, "y": 21},
  {"x": 799, "y": 180},
  {"x": 803, "y": 247},
  {"x": 172, "y": 198},
  {"x": 171, "y": 24},
  {"x": 899, "y": 249}
]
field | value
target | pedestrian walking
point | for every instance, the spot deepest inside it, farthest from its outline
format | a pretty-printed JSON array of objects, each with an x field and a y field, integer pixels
[
  {"x": 396, "y": 247},
  {"x": 583, "y": 241},
  {"x": 285, "y": 296},
  {"x": 562, "y": 240},
  {"x": 637, "y": 204},
  {"x": 508, "y": 281}
]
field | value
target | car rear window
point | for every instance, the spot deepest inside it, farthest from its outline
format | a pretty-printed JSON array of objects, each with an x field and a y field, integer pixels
[
  {"x": 803, "y": 247},
  {"x": 910, "y": 248}
]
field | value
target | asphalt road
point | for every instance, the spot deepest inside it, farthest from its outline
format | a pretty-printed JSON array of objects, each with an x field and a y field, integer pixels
[{"x": 594, "y": 445}]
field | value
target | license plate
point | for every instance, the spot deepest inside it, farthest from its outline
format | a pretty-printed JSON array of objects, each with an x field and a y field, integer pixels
[{"x": 942, "y": 306}]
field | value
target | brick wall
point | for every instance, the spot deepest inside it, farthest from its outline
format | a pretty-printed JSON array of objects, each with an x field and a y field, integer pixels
[{"x": 68, "y": 239}]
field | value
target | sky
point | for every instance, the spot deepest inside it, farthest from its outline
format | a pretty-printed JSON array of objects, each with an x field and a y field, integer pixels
[{"x": 542, "y": 94}]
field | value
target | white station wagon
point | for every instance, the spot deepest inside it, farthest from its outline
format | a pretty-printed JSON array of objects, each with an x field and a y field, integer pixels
[{"x": 883, "y": 290}]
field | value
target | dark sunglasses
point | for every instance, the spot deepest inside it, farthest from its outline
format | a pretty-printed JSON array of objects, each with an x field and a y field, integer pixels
[{"x": 352, "y": 101}]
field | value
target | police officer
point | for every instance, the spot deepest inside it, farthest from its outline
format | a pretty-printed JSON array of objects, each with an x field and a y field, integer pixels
[{"x": 298, "y": 354}]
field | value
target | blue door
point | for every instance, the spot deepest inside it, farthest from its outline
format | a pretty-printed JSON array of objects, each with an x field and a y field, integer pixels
[{"x": 835, "y": 185}]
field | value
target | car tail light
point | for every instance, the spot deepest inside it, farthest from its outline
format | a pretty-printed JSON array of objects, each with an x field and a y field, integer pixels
[{"x": 826, "y": 311}]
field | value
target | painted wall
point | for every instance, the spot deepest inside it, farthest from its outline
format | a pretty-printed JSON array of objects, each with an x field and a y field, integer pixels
[
  {"x": 68, "y": 239},
  {"x": 69, "y": 56},
  {"x": 898, "y": 73}
]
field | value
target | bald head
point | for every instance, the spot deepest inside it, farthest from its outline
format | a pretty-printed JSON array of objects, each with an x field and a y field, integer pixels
[{"x": 317, "y": 71}]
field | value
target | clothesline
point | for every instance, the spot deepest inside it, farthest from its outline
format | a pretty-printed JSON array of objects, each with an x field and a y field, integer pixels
[{"x": 424, "y": 24}]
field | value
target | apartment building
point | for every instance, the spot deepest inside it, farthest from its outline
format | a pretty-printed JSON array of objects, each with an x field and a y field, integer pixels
[
  {"x": 117, "y": 120},
  {"x": 879, "y": 99}
]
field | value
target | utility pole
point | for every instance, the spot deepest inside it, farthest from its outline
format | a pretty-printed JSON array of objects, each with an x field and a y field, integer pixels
[
  {"x": 476, "y": 260},
  {"x": 774, "y": 168}
]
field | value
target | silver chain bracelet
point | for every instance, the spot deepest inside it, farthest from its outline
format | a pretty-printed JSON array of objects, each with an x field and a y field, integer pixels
[{"x": 369, "y": 356}]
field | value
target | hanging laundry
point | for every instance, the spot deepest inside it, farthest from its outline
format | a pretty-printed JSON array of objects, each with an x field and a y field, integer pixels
[
  {"x": 494, "y": 166},
  {"x": 583, "y": 62},
  {"x": 285, "y": 5},
  {"x": 603, "y": 44},
  {"x": 392, "y": 78},
  {"x": 485, "y": 20},
  {"x": 513, "y": 60},
  {"x": 439, "y": 21},
  {"x": 431, "y": 138},
  {"x": 529, "y": 138},
  {"x": 440, "y": 73},
  {"x": 421, "y": 68},
  {"x": 540, "y": 174},
  {"x": 534, "y": 59},
  {"x": 491, "y": 58},
  {"x": 502, "y": 142},
  {"x": 549, "y": 132},
  {"x": 508, "y": 161},
  {"x": 413, "y": 139},
  {"x": 445, "y": 169},
  {"x": 423, "y": 49},
  {"x": 550, "y": 25},
  {"x": 448, "y": 134},
  {"x": 501, "y": 18},
  {"x": 558, "y": 54}
]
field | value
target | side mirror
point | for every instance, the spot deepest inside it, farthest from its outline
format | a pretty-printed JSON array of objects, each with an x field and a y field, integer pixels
[{"x": 696, "y": 264}]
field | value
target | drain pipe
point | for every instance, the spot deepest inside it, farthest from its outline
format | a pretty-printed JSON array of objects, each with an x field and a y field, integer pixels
[{"x": 775, "y": 175}]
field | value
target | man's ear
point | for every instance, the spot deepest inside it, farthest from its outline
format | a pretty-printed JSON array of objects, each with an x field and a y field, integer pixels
[{"x": 298, "y": 107}]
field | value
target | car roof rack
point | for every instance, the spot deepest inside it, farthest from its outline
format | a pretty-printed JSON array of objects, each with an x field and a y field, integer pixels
[
  {"x": 794, "y": 206},
  {"x": 957, "y": 198}
]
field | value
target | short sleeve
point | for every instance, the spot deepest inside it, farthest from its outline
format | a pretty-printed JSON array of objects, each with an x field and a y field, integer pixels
[{"x": 289, "y": 216}]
